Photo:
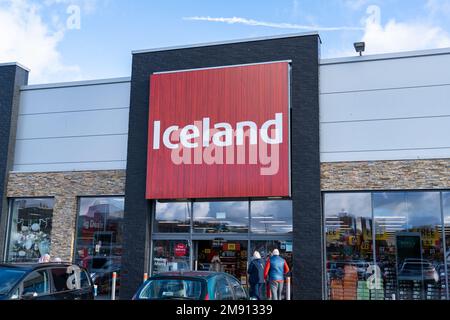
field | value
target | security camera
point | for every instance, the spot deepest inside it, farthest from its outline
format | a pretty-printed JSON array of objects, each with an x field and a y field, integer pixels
[{"x": 360, "y": 47}]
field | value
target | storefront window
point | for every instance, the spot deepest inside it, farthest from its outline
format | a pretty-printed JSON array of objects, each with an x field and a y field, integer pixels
[
  {"x": 223, "y": 256},
  {"x": 30, "y": 229},
  {"x": 265, "y": 248},
  {"x": 271, "y": 216},
  {"x": 409, "y": 249},
  {"x": 172, "y": 217},
  {"x": 446, "y": 210},
  {"x": 170, "y": 255},
  {"x": 100, "y": 239},
  {"x": 348, "y": 229},
  {"x": 221, "y": 217},
  {"x": 409, "y": 260}
]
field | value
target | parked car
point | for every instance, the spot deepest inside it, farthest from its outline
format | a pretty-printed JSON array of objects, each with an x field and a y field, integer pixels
[
  {"x": 45, "y": 281},
  {"x": 101, "y": 270},
  {"x": 418, "y": 270},
  {"x": 192, "y": 285}
]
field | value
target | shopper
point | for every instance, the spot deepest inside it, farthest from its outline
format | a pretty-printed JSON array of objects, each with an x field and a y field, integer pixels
[
  {"x": 256, "y": 276},
  {"x": 45, "y": 258},
  {"x": 216, "y": 264},
  {"x": 275, "y": 271}
]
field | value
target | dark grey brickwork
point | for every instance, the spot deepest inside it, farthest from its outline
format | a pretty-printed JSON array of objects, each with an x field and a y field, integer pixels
[
  {"x": 12, "y": 77},
  {"x": 303, "y": 51}
]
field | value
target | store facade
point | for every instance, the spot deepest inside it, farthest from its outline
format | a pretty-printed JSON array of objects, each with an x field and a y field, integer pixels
[{"x": 217, "y": 150}]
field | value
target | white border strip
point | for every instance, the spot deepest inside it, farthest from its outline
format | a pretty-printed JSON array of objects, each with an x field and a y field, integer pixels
[
  {"x": 207, "y": 44},
  {"x": 386, "y": 56},
  {"x": 75, "y": 84},
  {"x": 221, "y": 67},
  {"x": 14, "y": 64}
]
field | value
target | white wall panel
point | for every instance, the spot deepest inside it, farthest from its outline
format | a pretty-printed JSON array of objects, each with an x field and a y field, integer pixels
[
  {"x": 381, "y": 74},
  {"x": 73, "y": 126},
  {"x": 388, "y": 108},
  {"x": 428, "y": 133},
  {"x": 76, "y": 98},
  {"x": 84, "y": 150},
  {"x": 385, "y": 104},
  {"x": 70, "y": 124}
]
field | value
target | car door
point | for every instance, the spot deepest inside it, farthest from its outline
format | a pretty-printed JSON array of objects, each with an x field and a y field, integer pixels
[
  {"x": 71, "y": 283},
  {"x": 36, "y": 286},
  {"x": 60, "y": 288},
  {"x": 238, "y": 291},
  {"x": 223, "y": 290}
]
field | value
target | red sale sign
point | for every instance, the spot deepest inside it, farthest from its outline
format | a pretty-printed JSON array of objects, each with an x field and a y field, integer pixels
[
  {"x": 180, "y": 250},
  {"x": 219, "y": 133}
]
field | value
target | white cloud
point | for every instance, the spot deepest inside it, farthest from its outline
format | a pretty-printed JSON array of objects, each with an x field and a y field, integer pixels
[
  {"x": 88, "y": 6},
  {"x": 438, "y": 7},
  {"x": 401, "y": 36},
  {"x": 355, "y": 4},
  {"x": 26, "y": 38},
  {"x": 281, "y": 25}
]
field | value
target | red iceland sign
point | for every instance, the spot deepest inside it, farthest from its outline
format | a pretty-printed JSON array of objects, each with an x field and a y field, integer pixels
[{"x": 219, "y": 133}]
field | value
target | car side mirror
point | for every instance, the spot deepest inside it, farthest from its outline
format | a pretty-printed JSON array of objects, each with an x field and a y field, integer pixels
[{"x": 29, "y": 296}]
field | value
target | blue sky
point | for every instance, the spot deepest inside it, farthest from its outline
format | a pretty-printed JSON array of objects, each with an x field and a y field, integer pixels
[{"x": 48, "y": 37}]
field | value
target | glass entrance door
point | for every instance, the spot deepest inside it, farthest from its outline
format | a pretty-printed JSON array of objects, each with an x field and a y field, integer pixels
[{"x": 222, "y": 256}]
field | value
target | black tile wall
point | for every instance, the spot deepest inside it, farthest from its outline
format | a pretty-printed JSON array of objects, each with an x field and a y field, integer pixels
[
  {"x": 305, "y": 175},
  {"x": 12, "y": 77}
]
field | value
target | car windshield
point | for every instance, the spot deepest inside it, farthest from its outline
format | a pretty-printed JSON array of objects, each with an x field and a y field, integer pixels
[
  {"x": 416, "y": 266},
  {"x": 172, "y": 289},
  {"x": 8, "y": 278}
]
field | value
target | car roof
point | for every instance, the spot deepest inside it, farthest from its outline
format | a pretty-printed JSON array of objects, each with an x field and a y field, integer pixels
[
  {"x": 33, "y": 266},
  {"x": 190, "y": 274}
]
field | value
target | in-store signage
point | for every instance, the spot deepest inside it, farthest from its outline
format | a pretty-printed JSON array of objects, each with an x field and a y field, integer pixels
[
  {"x": 219, "y": 133},
  {"x": 180, "y": 249}
]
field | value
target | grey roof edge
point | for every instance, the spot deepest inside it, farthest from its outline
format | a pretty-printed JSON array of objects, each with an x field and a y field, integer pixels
[
  {"x": 75, "y": 83},
  {"x": 207, "y": 44},
  {"x": 14, "y": 64},
  {"x": 386, "y": 56}
]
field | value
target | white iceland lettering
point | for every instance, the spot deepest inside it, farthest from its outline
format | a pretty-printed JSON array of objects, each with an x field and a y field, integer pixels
[{"x": 222, "y": 134}]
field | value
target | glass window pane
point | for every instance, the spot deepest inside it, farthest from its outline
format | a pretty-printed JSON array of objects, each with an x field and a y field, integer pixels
[
  {"x": 30, "y": 229},
  {"x": 409, "y": 249},
  {"x": 100, "y": 239},
  {"x": 446, "y": 209},
  {"x": 348, "y": 229},
  {"x": 221, "y": 217},
  {"x": 271, "y": 216},
  {"x": 172, "y": 217},
  {"x": 170, "y": 255},
  {"x": 265, "y": 248},
  {"x": 36, "y": 283}
]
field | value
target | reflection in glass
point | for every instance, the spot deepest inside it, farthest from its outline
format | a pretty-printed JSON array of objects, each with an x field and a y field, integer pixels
[
  {"x": 348, "y": 229},
  {"x": 100, "y": 239},
  {"x": 172, "y": 216},
  {"x": 409, "y": 249},
  {"x": 170, "y": 255},
  {"x": 30, "y": 231},
  {"x": 221, "y": 217},
  {"x": 265, "y": 248},
  {"x": 446, "y": 211},
  {"x": 271, "y": 216}
]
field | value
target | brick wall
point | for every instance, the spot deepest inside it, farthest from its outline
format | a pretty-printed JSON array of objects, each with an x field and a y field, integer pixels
[
  {"x": 65, "y": 187},
  {"x": 386, "y": 175}
]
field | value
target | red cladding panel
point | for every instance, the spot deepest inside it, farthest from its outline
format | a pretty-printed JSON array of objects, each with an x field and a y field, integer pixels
[{"x": 231, "y": 95}]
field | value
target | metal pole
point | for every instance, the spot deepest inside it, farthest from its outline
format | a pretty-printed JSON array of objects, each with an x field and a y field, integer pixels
[
  {"x": 113, "y": 287},
  {"x": 145, "y": 276},
  {"x": 288, "y": 288}
]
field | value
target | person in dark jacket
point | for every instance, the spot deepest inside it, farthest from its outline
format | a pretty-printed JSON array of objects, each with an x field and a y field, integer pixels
[
  {"x": 256, "y": 276},
  {"x": 275, "y": 271}
]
